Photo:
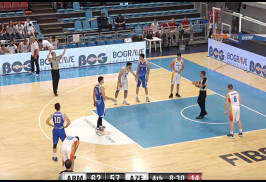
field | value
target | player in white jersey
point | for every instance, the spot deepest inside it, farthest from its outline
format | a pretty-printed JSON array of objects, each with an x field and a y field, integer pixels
[
  {"x": 122, "y": 82},
  {"x": 69, "y": 148},
  {"x": 178, "y": 66},
  {"x": 234, "y": 100}
]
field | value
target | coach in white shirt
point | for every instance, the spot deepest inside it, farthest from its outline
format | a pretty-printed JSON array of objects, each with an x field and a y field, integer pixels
[
  {"x": 34, "y": 55},
  {"x": 45, "y": 44}
]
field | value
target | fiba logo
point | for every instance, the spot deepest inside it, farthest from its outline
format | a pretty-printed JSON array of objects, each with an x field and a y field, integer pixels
[
  {"x": 215, "y": 53},
  {"x": 92, "y": 59}
]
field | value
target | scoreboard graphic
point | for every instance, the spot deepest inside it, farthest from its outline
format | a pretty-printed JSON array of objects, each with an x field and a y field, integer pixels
[{"x": 130, "y": 176}]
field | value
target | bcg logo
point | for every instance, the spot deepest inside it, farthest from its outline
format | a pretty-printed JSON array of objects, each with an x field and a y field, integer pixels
[
  {"x": 16, "y": 67},
  {"x": 257, "y": 68},
  {"x": 214, "y": 52},
  {"x": 92, "y": 59}
]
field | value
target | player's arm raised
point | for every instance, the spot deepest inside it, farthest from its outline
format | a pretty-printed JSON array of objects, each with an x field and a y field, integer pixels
[
  {"x": 226, "y": 104},
  {"x": 63, "y": 54},
  {"x": 68, "y": 121},
  {"x": 48, "y": 120},
  {"x": 102, "y": 90}
]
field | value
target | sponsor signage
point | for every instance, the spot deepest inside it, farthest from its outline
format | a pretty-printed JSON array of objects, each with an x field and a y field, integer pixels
[
  {"x": 75, "y": 57},
  {"x": 239, "y": 58}
]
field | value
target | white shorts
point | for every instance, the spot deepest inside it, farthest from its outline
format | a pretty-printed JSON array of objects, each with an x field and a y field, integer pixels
[
  {"x": 122, "y": 84},
  {"x": 215, "y": 25},
  {"x": 67, "y": 152},
  {"x": 234, "y": 113},
  {"x": 176, "y": 78}
]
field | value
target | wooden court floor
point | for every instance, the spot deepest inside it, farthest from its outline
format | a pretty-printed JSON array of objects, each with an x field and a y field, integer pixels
[{"x": 26, "y": 152}]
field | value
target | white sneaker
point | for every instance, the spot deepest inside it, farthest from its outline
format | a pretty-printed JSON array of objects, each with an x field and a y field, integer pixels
[
  {"x": 137, "y": 99},
  {"x": 30, "y": 72},
  {"x": 115, "y": 102},
  {"x": 126, "y": 103},
  {"x": 37, "y": 75},
  {"x": 147, "y": 99}
]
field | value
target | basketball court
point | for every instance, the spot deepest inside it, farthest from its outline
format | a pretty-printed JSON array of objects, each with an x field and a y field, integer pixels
[{"x": 160, "y": 136}]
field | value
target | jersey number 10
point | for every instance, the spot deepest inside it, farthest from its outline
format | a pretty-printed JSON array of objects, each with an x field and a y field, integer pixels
[{"x": 57, "y": 120}]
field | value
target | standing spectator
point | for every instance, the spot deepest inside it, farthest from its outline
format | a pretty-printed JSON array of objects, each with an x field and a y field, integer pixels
[
  {"x": 155, "y": 28},
  {"x": 34, "y": 55},
  {"x": 3, "y": 35},
  {"x": 24, "y": 46},
  {"x": 10, "y": 29},
  {"x": 102, "y": 22},
  {"x": 69, "y": 168},
  {"x": 120, "y": 22},
  {"x": 55, "y": 42},
  {"x": 173, "y": 28},
  {"x": 3, "y": 50},
  {"x": 185, "y": 27},
  {"x": 20, "y": 30},
  {"x": 55, "y": 68},
  {"x": 12, "y": 48},
  {"x": 30, "y": 28},
  {"x": 45, "y": 44}
]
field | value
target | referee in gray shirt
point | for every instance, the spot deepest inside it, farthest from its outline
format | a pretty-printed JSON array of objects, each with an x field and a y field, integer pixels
[{"x": 55, "y": 68}]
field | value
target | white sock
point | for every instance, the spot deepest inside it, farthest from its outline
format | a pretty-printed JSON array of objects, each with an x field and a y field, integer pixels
[
  {"x": 147, "y": 95},
  {"x": 115, "y": 99},
  {"x": 125, "y": 99},
  {"x": 231, "y": 132},
  {"x": 137, "y": 95},
  {"x": 240, "y": 130},
  {"x": 55, "y": 155}
]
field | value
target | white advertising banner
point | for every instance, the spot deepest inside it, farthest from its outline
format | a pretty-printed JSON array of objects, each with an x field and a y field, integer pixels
[
  {"x": 237, "y": 57},
  {"x": 75, "y": 57}
]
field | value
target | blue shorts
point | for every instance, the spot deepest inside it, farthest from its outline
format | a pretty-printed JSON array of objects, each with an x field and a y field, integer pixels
[
  {"x": 143, "y": 79},
  {"x": 58, "y": 133},
  {"x": 101, "y": 109}
]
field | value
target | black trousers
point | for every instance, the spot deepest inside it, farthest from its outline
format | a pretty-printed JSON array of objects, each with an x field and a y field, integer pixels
[
  {"x": 55, "y": 76},
  {"x": 201, "y": 102},
  {"x": 36, "y": 62},
  {"x": 104, "y": 26},
  {"x": 122, "y": 25}
]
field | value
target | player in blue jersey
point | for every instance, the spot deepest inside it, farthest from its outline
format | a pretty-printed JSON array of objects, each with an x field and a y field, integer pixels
[
  {"x": 143, "y": 72},
  {"x": 99, "y": 98},
  {"x": 58, "y": 131}
]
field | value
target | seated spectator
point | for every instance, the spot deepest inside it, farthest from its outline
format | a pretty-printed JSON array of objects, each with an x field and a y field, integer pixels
[
  {"x": 102, "y": 22},
  {"x": 69, "y": 168},
  {"x": 30, "y": 28},
  {"x": 12, "y": 48},
  {"x": 68, "y": 5},
  {"x": 173, "y": 28},
  {"x": 3, "y": 49},
  {"x": 120, "y": 22},
  {"x": 55, "y": 42},
  {"x": 3, "y": 35},
  {"x": 165, "y": 26},
  {"x": 204, "y": 20},
  {"x": 144, "y": 32},
  {"x": 20, "y": 30},
  {"x": 185, "y": 27},
  {"x": 58, "y": 5},
  {"x": 45, "y": 44},
  {"x": 10, "y": 30},
  {"x": 155, "y": 28},
  {"x": 24, "y": 46}
]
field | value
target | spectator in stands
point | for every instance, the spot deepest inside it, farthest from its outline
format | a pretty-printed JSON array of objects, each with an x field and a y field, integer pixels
[
  {"x": 24, "y": 46},
  {"x": 11, "y": 31},
  {"x": 58, "y": 5},
  {"x": 3, "y": 35},
  {"x": 69, "y": 168},
  {"x": 204, "y": 20},
  {"x": 155, "y": 28},
  {"x": 12, "y": 48},
  {"x": 197, "y": 25},
  {"x": 102, "y": 22},
  {"x": 144, "y": 32},
  {"x": 30, "y": 28},
  {"x": 20, "y": 30},
  {"x": 173, "y": 28},
  {"x": 185, "y": 27},
  {"x": 55, "y": 42},
  {"x": 120, "y": 22},
  {"x": 164, "y": 31},
  {"x": 3, "y": 49},
  {"x": 216, "y": 16},
  {"x": 45, "y": 44}
]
